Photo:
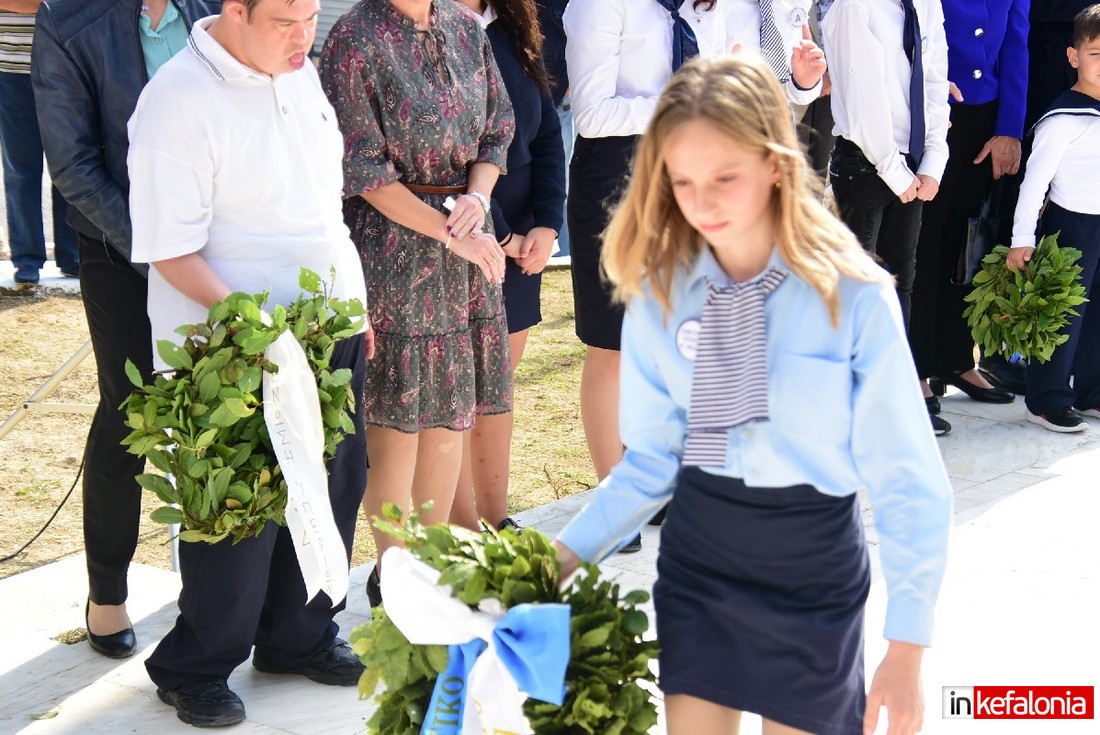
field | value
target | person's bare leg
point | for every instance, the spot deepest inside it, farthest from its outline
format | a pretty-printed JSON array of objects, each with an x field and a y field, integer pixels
[
  {"x": 687, "y": 715},
  {"x": 600, "y": 409},
  {"x": 438, "y": 461},
  {"x": 392, "y": 464},
  {"x": 771, "y": 727},
  {"x": 489, "y": 452},
  {"x": 463, "y": 510}
]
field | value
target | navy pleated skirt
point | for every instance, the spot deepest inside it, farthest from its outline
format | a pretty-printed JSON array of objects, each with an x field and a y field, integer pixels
[{"x": 759, "y": 599}]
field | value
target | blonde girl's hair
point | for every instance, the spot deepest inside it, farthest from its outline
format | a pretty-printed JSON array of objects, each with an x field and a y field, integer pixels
[{"x": 648, "y": 238}]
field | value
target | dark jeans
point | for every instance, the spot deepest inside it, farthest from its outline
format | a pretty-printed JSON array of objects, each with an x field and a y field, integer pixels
[
  {"x": 1048, "y": 384},
  {"x": 938, "y": 333},
  {"x": 115, "y": 297},
  {"x": 880, "y": 221},
  {"x": 252, "y": 593},
  {"x": 22, "y": 154}
]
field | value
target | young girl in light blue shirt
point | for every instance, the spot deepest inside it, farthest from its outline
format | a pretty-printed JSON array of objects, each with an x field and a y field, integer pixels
[{"x": 766, "y": 379}]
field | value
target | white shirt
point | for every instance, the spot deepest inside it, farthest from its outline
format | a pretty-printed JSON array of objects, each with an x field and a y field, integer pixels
[
  {"x": 871, "y": 73},
  {"x": 243, "y": 169},
  {"x": 619, "y": 55},
  {"x": 1064, "y": 159}
]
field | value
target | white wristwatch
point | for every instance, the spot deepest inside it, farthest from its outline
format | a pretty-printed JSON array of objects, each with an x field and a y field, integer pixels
[{"x": 481, "y": 198}]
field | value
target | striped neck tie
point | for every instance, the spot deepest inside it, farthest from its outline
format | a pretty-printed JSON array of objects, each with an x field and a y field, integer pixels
[
  {"x": 911, "y": 41},
  {"x": 684, "y": 43},
  {"x": 730, "y": 383},
  {"x": 772, "y": 47}
]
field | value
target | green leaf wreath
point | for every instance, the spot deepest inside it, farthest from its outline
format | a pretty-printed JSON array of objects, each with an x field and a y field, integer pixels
[
  {"x": 608, "y": 656},
  {"x": 202, "y": 421},
  {"x": 1024, "y": 312}
]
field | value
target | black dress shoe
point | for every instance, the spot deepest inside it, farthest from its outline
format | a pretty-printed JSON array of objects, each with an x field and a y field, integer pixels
[
  {"x": 633, "y": 546},
  {"x": 122, "y": 644},
  {"x": 205, "y": 703},
  {"x": 374, "y": 588},
  {"x": 976, "y": 392},
  {"x": 1008, "y": 375},
  {"x": 336, "y": 665}
]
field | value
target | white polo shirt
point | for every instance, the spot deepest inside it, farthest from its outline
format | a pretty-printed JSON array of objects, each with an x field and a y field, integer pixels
[{"x": 243, "y": 169}]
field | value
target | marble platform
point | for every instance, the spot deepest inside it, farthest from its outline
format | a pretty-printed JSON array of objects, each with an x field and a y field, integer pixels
[{"x": 1019, "y": 604}]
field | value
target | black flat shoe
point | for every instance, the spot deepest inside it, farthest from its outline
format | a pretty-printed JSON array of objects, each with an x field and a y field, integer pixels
[
  {"x": 336, "y": 665},
  {"x": 122, "y": 644},
  {"x": 933, "y": 405},
  {"x": 975, "y": 392}
]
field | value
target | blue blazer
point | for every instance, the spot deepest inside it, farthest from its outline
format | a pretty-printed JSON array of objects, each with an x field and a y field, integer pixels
[{"x": 987, "y": 56}]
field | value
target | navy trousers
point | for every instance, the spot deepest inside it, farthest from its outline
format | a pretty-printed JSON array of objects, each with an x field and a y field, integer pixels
[
  {"x": 252, "y": 593},
  {"x": 1048, "y": 384}
]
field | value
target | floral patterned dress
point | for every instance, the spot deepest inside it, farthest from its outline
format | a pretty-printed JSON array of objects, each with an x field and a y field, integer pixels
[{"x": 420, "y": 107}]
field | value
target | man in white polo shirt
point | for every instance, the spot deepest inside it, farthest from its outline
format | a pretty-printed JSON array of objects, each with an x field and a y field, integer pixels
[{"x": 235, "y": 170}]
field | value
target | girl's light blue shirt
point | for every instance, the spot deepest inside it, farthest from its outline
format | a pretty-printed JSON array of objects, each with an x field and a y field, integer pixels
[
  {"x": 165, "y": 42},
  {"x": 845, "y": 413}
]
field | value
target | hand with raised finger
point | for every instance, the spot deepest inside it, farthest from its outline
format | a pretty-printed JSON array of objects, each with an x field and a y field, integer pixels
[
  {"x": 807, "y": 61},
  {"x": 466, "y": 218},
  {"x": 1004, "y": 152}
]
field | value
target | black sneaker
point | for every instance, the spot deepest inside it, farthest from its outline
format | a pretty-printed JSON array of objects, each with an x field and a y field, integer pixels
[
  {"x": 509, "y": 523},
  {"x": 1062, "y": 420},
  {"x": 939, "y": 426},
  {"x": 336, "y": 665},
  {"x": 633, "y": 546},
  {"x": 206, "y": 703},
  {"x": 1091, "y": 412}
]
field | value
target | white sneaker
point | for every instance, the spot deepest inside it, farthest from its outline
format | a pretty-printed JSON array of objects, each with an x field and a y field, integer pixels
[
  {"x": 1090, "y": 412},
  {"x": 1062, "y": 420}
]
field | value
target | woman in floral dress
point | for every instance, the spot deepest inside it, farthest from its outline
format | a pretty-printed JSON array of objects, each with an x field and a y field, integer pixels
[{"x": 425, "y": 116}]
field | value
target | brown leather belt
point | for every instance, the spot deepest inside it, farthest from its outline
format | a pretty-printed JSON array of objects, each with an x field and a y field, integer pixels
[{"x": 426, "y": 189}]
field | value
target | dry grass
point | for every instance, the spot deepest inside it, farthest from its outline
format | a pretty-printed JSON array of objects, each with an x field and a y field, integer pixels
[{"x": 40, "y": 457}]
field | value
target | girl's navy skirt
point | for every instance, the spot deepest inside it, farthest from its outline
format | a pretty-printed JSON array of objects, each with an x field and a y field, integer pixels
[{"x": 759, "y": 600}]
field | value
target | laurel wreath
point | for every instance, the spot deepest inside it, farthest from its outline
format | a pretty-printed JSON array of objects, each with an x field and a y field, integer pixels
[
  {"x": 1024, "y": 312},
  {"x": 609, "y": 658},
  {"x": 202, "y": 423}
]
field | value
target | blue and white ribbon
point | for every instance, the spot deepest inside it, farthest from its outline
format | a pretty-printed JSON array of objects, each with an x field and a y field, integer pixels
[{"x": 497, "y": 659}]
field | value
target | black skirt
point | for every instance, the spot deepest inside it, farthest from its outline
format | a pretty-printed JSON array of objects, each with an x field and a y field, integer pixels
[
  {"x": 759, "y": 600},
  {"x": 597, "y": 178}
]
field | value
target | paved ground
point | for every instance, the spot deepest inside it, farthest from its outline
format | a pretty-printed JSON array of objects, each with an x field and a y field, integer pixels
[{"x": 1019, "y": 604}]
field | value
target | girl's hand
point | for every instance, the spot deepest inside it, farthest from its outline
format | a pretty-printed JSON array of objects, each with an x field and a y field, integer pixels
[
  {"x": 897, "y": 687},
  {"x": 807, "y": 61},
  {"x": 467, "y": 218},
  {"x": 483, "y": 251},
  {"x": 569, "y": 561},
  {"x": 538, "y": 243},
  {"x": 1018, "y": 258}
]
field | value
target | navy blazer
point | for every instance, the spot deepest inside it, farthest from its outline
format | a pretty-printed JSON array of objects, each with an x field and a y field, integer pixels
[
  {"x": 553, "y": 44},
  {"x": 987, "y": 56}
]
